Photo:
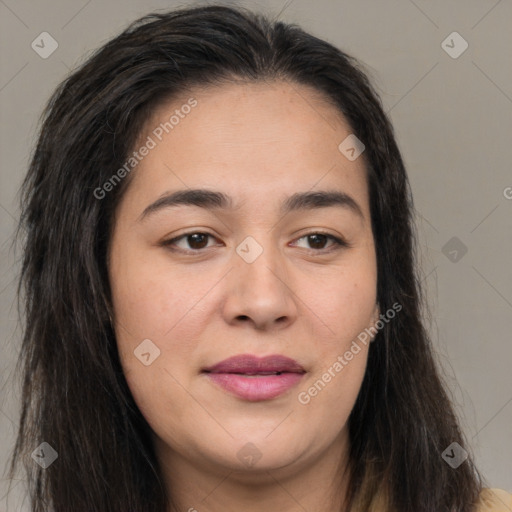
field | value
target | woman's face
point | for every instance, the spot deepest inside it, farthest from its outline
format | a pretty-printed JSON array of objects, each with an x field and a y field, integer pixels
[{"x": 259, "y": 274}]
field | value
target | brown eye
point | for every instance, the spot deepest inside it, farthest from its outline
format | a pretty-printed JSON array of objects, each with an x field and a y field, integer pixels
[
  {"x": 197, "y": 240},
  {"x": 318, "y": 241},
  {"x": 190, "y": 242}
]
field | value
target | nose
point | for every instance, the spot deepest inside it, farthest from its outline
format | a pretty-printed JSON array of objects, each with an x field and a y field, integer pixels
[{"x": 260, "y": 293}]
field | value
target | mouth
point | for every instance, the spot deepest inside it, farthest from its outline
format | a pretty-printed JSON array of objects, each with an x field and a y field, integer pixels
[
  {"x": 247, "y": 364},
  {"x": 255, "y": 379}
]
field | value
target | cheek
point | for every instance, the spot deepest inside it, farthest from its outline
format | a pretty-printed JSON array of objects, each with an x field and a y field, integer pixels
[
  {"x": 341, "y": 306},
  {"x": 329, "y": 396},
  {"x": 173, "y": 325},
  {"x": 153, "y": 300},
  {"x": 148, "y": 305},
  {"x": 346, "y": 308},
  {"x": 330, "y": 392},
  {"x": 159, "y": 397}
]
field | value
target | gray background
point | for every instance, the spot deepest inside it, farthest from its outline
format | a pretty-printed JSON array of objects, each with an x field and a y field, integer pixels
[{"x": 453, "y": 121}]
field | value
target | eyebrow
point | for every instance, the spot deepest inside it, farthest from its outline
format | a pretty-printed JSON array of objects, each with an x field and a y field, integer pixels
[{"x": 214, "y": 200}]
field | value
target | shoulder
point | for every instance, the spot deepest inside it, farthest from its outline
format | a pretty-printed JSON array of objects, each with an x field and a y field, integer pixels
[{"x": 494, "y": 500}]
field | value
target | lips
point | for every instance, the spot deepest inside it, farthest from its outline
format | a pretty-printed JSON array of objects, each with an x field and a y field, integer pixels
[
  {"x": 247, "y": 364},
  {"x": 254, "y": 379}
]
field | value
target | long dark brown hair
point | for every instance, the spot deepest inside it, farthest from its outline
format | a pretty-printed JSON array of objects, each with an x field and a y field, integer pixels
[{"x": 74, "y": 393}]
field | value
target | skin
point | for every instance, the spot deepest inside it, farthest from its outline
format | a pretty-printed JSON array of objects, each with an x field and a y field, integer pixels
[{"x": 259, "y": 143}]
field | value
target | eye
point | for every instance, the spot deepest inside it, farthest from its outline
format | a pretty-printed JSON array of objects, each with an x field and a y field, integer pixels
[
  {"x": 197, "y": 241},
  {"x": 319, "y": 240},
  {"x": 190, "y": 242}
]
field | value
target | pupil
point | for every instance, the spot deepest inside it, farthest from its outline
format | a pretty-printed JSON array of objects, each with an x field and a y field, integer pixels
[
  {"x": 317, "y": 237},
  {"x": 196, "y": 240}
]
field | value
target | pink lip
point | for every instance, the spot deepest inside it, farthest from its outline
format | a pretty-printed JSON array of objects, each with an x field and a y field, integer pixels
[{"x": 244, "y": 376}]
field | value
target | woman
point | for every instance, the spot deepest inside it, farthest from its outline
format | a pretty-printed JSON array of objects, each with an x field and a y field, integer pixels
[{"x": 222, "y": 304}]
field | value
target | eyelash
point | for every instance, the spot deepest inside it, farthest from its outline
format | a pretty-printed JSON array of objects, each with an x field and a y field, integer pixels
[{"x": 339, "y": 242}]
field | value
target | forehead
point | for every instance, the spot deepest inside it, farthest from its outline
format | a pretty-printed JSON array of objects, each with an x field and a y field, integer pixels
[{"x": 258, "y": 139}]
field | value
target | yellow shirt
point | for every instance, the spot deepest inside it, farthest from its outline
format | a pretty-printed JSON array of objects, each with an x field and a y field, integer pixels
[{"x": 495, "y": 500}]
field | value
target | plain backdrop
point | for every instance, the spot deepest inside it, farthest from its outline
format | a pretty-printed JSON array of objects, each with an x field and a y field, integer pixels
[{"x": 452, "y": 112}]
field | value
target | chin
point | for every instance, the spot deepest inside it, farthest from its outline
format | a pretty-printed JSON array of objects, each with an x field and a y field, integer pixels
[{"x": 257, "y": 453}]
